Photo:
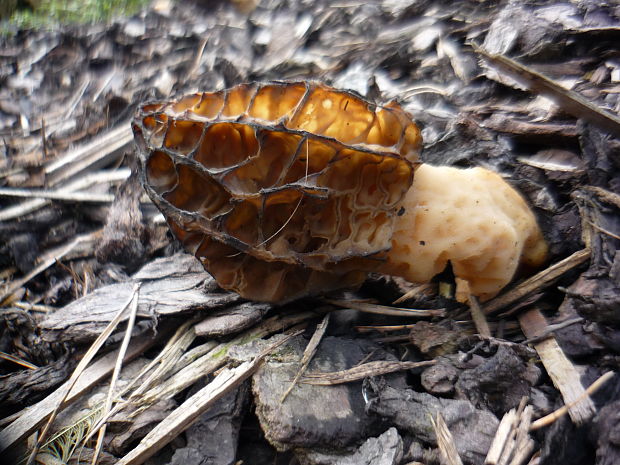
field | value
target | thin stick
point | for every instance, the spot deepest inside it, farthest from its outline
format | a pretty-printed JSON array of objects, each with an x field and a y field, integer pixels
[
  {"x": 482, "y": 326},
  {"x": 384, "y": 310},
  {"x": 182, "y": 417},
  {"x": 88, "y": 356},
  {"x": 567, "y": 99},
  {"x": 536, "y": 282},
  {"x": 311, "y": 349},
  {"x": 117, "y": 368},
  {"x": 553, "y": 416},
  {"x": 562, "y": 372},
  {"x": 56, "y": 195}
]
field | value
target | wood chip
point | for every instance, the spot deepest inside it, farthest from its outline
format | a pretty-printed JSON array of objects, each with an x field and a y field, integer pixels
[
  {"x": 564, "y": 375},
  {"x": 445, "y": 442}
]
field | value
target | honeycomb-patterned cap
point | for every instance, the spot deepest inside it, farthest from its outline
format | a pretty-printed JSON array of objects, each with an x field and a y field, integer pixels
[{"x": 280, "y": 189}]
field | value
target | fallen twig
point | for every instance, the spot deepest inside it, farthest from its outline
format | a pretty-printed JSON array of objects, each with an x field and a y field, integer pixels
[
  {"x": 384, "y": 310},
  {"x": 536, "y": 282},
  {"x": 361, "y": 371},
  {"x": 309, "y": 352}
]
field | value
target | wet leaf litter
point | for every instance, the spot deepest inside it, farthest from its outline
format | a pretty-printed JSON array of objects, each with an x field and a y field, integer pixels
[{"x": 526, "y": 90}]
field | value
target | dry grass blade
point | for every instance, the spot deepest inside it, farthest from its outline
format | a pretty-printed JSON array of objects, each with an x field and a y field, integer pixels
[
  {"x": 184, "y": 376},
  {"x": 88, "y": 356},
  {"x": 159, "y": 368},
  {"x": 28, "y": 206},
  {"x": 361, "y": 371},
  {"x": 182, "y": 417},
  {"x": 553, "y": 416},
  {"x": 536, "y": 282},
  {"x": 309, "y": 352},
  {"x": 66, "y": 196},
  {"x": 384, "y": 310},
  {"x": 419, "y": 289},
  {"x": 568, "y": 100},
  {"x": 445, "y": 442},
  {"x": 28, "y": 420},
  {"x": 117, "y": 369},
  {"x": 52, "y": 257}
]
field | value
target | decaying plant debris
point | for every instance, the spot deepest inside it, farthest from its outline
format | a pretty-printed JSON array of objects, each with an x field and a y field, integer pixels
[{"x": 528, "y": 89}]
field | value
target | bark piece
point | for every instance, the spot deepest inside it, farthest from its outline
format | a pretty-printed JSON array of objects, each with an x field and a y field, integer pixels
[
  {"x": 608, "y": 438},
  {"x": 232, "y": 319},
  {"x": 213, "y": 438},
  {"x": 386, "y": 449},
  {"x": 315, "y": 416},
  {"x": 564, "y": 375},
  {"x": 499, "y": 383},
  {"x": 408, "y": 410},
  {"x": 169, "y": 286}
]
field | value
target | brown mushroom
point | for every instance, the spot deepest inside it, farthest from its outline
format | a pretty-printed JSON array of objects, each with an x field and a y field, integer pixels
[{"x": 289, "y": 189}]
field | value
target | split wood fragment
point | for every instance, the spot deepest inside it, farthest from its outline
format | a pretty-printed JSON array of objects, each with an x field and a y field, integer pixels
[
  {"x": 560, "y": 369},
  {"x": 182, "y": 417},
  {"x": 445, "y": 442}
]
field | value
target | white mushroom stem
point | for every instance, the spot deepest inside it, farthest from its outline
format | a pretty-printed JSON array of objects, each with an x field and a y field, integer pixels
[{"x": 471, "y": 218}]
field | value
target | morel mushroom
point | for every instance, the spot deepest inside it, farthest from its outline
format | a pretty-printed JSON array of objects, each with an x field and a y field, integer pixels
[{"x": 290, "y": 189}]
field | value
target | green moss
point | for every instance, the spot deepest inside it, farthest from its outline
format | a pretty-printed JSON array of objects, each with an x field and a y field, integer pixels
[{"x": 50, "y": 13}]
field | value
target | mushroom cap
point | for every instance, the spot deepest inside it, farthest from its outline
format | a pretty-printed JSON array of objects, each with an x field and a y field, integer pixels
[
  {"x": 280, "y": 189},
  {"x": 471, "y": 218}
]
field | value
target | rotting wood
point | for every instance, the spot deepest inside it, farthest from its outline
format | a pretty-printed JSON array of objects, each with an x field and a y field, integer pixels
[
  {"x": 560, "y": 369},
  {"x": 170, "y": 285},
  {"x": 361, "y": 371},
  {"x": 52, "y": 257},
  {"x": 537, "y": 282}
]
